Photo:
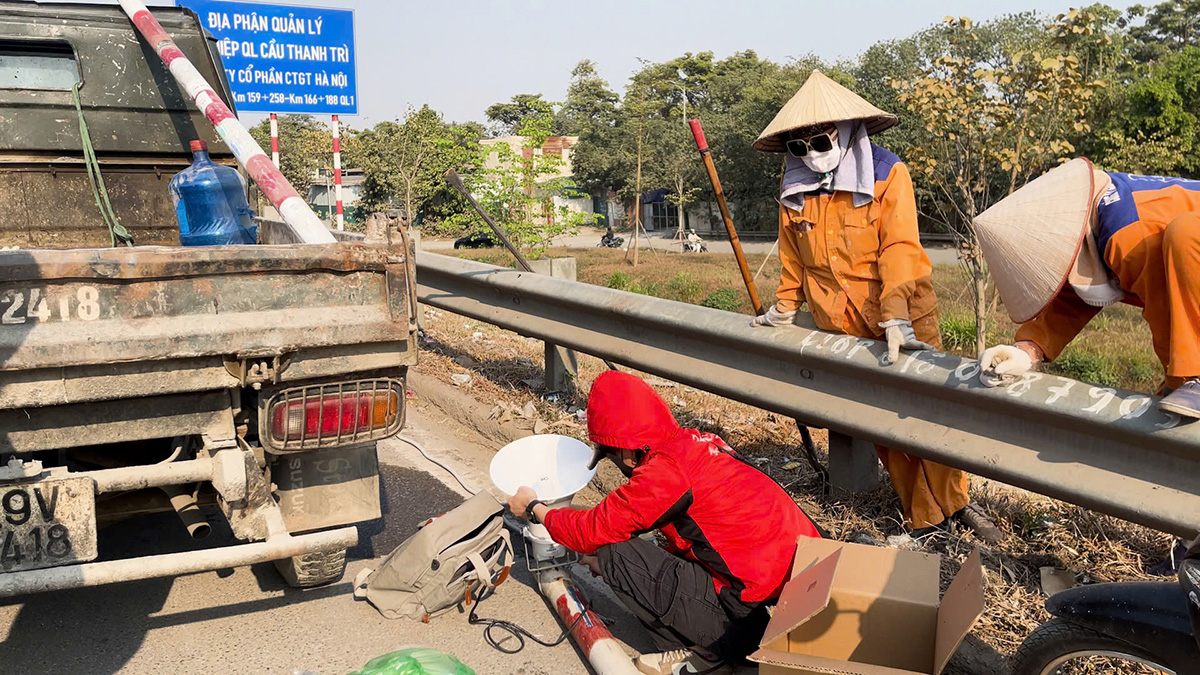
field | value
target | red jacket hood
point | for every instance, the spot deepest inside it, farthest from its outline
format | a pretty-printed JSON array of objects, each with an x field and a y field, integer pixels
[{"x": 625, "y": 412}]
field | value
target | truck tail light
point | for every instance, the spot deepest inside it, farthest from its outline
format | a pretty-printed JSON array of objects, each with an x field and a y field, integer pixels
[{"x": 329, "y": 415}]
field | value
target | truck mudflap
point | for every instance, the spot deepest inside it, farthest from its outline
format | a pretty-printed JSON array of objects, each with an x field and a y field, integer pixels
[{"x": 326, "y": 488}]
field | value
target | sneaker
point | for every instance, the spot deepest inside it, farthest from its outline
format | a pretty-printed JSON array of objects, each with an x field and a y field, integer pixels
[
  {"x": 973, "y": 517},
  {"x": 1184, "y": 401},
  {"x": 681, "y": 662}
]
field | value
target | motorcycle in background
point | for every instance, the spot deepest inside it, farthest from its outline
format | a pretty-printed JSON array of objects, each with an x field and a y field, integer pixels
[
  {"x": 1127, "y": 627},
  {"x": 694, "y": 244}
]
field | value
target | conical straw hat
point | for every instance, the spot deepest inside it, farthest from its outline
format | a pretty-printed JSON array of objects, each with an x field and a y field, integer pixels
[
  {"x": 819, "y": 101},
  {"x": 1031, "y": 238}
]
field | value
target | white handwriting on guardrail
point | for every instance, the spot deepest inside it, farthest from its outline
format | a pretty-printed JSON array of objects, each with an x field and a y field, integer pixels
[{"x": 1132, "y": 406}]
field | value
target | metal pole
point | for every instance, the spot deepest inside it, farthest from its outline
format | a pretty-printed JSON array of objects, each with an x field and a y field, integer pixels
[
  {"x": 590, "y": 634},
  {"x": 337, "y": 171},
  {"x": 456, "y": 182},
  {"x": 174, "y": 564},
  {"x": 183, "y": 472},
  {"x": 275, "y": 139},
  {"x": 292, "y": 208},
  {"x": 706, "y": 155}
]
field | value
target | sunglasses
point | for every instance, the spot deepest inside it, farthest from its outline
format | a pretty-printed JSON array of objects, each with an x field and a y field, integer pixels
[{"x": 822, "y": 142}]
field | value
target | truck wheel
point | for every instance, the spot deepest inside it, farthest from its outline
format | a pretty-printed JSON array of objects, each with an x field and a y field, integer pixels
[
  {"x": 1059, "y": 647},
  {"x": 312, "y": 569}
]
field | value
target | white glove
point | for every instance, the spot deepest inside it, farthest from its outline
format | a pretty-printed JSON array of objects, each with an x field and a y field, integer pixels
[
  {"x": 900, "y": 335},
  {"x": 1003, "y": 364},
  {"x": 774, "y": 318}
]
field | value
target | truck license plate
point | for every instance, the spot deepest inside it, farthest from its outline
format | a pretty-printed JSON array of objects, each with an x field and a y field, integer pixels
[{"x": 47, "y": 523}]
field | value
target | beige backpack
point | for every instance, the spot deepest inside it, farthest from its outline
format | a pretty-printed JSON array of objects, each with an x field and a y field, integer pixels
[{"x": 449, "y": 561}]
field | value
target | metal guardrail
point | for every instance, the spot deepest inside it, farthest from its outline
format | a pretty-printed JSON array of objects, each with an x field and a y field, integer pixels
[{"x": 1104, "y": 449}]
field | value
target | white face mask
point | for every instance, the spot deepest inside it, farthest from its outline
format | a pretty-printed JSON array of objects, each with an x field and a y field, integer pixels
[
  {"x": 1102, "y": 295},
  {"x": 823, "y": 162}
]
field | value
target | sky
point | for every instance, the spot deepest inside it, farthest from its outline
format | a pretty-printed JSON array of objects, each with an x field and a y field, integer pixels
[{"x": 462, "y": 56}]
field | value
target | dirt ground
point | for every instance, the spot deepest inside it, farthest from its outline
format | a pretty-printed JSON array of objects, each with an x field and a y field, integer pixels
[{"x": 502, "y": 371}]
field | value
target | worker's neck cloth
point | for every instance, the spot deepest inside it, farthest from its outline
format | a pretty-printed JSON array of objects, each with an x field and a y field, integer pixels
[{"x": 855, "y": 173}]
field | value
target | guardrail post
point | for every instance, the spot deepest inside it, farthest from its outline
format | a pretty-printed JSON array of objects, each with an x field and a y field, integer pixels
[
  {"x": 415, "y": 235},
  {"x": 561, "y": 364},
  {"x": 853, "y": 463}
]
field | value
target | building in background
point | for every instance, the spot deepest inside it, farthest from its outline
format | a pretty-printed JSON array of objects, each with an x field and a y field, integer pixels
[
  {"x": 660, "y": 215},
  {"x": 320, "y": 195}
]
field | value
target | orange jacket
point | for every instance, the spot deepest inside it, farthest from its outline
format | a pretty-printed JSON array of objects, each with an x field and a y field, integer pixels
[
  {"x": 1134, "y": 214},
  {"x": 834, "y": 253}
]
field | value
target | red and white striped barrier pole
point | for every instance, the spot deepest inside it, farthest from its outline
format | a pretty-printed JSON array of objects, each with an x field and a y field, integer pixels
[
  {"x": 590, "y": 634},
  {"x": 337, "y": 170},
  {"x": 275, "y": 140},
  {"x": 292, "y": 208}
]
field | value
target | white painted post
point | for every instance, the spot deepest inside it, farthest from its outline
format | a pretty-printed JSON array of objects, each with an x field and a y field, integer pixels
[
  {"x": 275, "y": 140},
  {"x": 337, "y": 171},
  {"x": 291, "y": 206}
]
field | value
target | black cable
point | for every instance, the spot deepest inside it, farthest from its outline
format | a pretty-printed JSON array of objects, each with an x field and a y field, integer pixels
[{"x": 511, "y": 627}]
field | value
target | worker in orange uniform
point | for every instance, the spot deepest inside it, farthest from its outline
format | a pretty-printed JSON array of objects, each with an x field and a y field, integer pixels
[
  {"x": 849, "y": 248},
  {"x": 1076, "y": 240}
]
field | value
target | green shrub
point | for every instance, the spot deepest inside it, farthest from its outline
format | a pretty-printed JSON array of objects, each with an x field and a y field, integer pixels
[
  {"x": 1087, "y": 366},
  {"x": 1142, "y": 371},
  {"x": 684, "y": 288},
  {"x": 958, "y": 333},
  {"x": 618, "y": 280},
  {"x": 648, "y": 288},
  {"x": 725, "y": 299}
]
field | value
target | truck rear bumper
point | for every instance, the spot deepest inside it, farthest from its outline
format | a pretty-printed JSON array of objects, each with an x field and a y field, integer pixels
[{"x": 174, "y": 564}]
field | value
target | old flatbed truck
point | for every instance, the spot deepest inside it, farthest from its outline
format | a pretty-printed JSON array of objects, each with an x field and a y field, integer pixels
[{"x": 163, "y": 378}]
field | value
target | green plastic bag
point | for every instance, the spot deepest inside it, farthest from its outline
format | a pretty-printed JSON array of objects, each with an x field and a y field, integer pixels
[{"x": 415, "y": 661}]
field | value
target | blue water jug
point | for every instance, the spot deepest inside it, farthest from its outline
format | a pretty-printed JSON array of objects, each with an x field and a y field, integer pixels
[{"x": 210, "y": 203}]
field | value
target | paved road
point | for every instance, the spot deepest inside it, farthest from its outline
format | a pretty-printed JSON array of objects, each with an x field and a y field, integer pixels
[
  {"x": 587, "y": 238},
  {"x": 248, "y": 621}
]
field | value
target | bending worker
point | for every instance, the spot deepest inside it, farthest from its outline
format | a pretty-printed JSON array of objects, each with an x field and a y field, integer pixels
[
  {"x": 731, "y": 531},
  {"x": 1076, "y": 240},
  {"x": 849, "y": 248}
]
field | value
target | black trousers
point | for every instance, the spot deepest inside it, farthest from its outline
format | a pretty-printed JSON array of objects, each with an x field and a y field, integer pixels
[{"x": 677, "y": 602}]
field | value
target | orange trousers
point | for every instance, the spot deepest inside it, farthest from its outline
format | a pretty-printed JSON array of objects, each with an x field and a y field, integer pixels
[
  {"x": 928, "y": 491},
  {"x": 1181, "y": 264}
]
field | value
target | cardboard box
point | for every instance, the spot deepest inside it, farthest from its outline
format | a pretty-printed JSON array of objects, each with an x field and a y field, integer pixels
[{"x": 868, "y": 610}]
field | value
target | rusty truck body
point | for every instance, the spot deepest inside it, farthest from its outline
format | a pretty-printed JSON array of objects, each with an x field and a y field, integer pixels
[{"x": 253, "y": 381}]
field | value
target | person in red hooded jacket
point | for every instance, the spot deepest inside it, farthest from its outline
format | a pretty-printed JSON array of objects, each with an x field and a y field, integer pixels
[{"x": 730, "y": 529}]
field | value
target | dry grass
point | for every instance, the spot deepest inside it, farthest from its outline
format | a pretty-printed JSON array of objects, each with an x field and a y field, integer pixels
[{"x": 505, "y": 370}]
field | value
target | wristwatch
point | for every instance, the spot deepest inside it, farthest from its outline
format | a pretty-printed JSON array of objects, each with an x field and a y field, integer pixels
[{"x": 529, "y": 515}]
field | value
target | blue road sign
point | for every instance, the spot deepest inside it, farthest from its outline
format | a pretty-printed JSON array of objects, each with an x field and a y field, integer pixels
[{"x": 284, "y": 58}]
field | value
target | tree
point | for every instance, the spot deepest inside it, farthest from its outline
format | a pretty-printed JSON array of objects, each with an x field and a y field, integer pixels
[
  {"x": 513, "y": 114},
  {"x": 1153, "y": 124},
  {"x": 403, "y": 161},
  {"x": 993, "y": 119},
  {"x": 305, "y": 146},
  {"x": 590, "y": 104},
  {"x": 518, "y": 188},
  {"x": 1168, "y": 27},
  {"x": 674, "y": 164},
  {"x": 735, "y": 98}
]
